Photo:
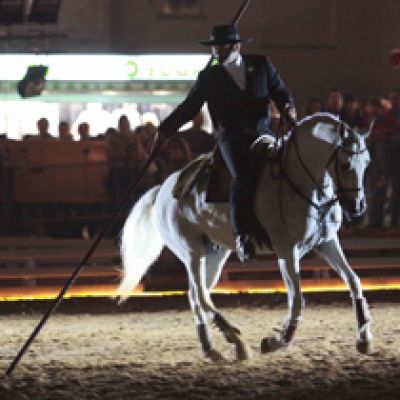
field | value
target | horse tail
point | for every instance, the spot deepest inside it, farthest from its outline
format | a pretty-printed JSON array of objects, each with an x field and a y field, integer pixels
[{"x": 140, "y": 245}]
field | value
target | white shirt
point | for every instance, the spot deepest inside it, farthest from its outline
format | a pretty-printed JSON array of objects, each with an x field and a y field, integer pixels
[{"x": 235, "y": 67}]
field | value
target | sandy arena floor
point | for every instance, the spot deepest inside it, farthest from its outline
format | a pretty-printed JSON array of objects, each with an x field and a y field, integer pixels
[{"x": 155, "y": 355}]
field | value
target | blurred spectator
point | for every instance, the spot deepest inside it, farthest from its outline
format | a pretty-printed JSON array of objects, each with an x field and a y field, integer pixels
[
  {"x": 314, "y": 105},
  {"x": 84, "y": 131},
  {"x": 376, "y": 175},
  {"x": 110, "y": 132},
  {"x": 334, "y": 102},
  {"x": 145, "y": 135},
  {"x": 118, "y": 144},
  {"x": 64, "y": 133},
  {"x": 175, "y": 155},
  {"x": 350, "y": 112},
  {"x": 118, "y": 141},
  {"x": 3, "y": 184},
  {"x": 126, "y": 154},
  {"x": 43, "y": 129},
  {"x": 199, "y": 140},
  {"x": 368, "y": 112},
  {"x": 391, "y": 123}
]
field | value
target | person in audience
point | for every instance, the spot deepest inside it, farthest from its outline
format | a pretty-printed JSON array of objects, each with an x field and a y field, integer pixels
[
  {"x": 4, "y": 195},
  {"x": 199, "y": 140},
  {"x": 126, "y": 154},
  {"x": 368, "y": 112},
  {"x": 43, "y": 129},
  {"x": 118, "y": 143},
  {"x": 84, "y": 131},
  {"x": 64, "y": 132},
  {"x": 314, "y": 105},
  {"x": 334, "y": 102},
  {"x": 350, "y": 111},
  {"x": 176, "y": 155},
  {"x": 391, "y": 125},
  {"x": 376, "y": 174}
]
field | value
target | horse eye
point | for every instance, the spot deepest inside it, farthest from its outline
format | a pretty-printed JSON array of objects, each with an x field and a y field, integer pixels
[{"x": 346, "y": 166}]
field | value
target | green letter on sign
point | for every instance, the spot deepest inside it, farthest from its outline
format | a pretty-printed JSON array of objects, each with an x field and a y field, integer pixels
[{"x": 133, "y": 69}]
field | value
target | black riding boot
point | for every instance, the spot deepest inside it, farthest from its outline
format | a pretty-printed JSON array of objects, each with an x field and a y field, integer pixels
[
  {"x": 240, "y": 200},
  {"x": 235, "y": 150}
]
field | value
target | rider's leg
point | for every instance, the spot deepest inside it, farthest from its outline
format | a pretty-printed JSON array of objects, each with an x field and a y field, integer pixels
[{"x": 236, "y": 154}]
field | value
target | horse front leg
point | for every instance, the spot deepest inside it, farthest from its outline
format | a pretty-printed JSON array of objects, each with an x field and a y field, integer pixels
[
  {"x": 332, "y": 252},
  {"x": 290, "y": 271}
]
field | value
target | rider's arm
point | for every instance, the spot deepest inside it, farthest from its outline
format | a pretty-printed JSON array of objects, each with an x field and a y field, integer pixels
[
  {"x": 187, "y": 110},
  {"x": 279, "y": 92}
]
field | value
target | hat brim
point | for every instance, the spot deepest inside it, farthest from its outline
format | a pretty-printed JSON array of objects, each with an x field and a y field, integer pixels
[{"x": 219, "y": 42}]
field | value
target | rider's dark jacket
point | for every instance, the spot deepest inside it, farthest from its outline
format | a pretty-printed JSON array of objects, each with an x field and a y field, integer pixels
[{"x": 233, "y": 110}]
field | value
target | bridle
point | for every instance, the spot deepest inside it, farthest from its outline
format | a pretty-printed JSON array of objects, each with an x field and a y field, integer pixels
[{"x": 340, "y": 191}]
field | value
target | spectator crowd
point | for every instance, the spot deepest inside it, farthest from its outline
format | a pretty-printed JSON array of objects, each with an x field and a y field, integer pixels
[{"x": 128, "y": 148}]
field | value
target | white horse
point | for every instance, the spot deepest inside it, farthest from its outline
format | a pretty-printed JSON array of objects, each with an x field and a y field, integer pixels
[{"x": 323, "y": 164}]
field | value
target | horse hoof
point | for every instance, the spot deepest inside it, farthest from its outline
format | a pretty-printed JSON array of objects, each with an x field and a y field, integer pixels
[
  {"x": 364, "y": 347},
  {"x": 270, "y": 344},
  {"x": 241, "y": 352},
  {"x": 214, "y": 355}
]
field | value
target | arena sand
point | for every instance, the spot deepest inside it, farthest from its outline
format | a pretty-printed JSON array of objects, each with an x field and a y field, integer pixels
[{"x": 155, "y": 355}]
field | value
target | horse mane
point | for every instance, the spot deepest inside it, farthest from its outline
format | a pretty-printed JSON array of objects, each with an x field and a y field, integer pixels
[{"x": 319, "y": 117}]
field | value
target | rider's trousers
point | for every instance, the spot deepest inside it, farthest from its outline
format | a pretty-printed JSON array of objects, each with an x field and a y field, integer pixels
[{"x": 236, "y": 152}]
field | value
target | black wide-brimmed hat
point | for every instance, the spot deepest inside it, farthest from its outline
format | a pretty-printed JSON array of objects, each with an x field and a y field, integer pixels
[{"x": 222, "y": 34}]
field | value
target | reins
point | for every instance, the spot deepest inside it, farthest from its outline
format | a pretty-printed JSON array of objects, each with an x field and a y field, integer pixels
[{"x": 322, "y": 209}]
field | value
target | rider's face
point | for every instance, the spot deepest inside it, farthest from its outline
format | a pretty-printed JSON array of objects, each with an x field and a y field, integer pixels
[{"x": 222, "y": 51}]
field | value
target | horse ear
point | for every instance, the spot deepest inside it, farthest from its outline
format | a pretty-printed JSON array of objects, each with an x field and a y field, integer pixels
[{"x": 367, "y": 132}]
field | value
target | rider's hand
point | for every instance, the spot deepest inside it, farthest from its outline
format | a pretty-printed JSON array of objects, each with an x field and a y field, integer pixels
[{"x": 290, "y": 115}]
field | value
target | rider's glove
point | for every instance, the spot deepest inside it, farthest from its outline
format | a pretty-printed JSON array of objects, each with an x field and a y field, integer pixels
[{"x": 290, "y": 114}]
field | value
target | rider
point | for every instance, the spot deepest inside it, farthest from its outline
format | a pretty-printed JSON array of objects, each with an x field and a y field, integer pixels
[{"x": 238, "y": 89}]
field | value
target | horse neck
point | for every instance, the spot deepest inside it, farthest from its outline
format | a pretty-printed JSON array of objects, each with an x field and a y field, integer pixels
[{"x": 307, "y": 159}]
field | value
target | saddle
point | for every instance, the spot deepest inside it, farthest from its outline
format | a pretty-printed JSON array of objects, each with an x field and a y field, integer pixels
[{"x": 212, "y": 167}]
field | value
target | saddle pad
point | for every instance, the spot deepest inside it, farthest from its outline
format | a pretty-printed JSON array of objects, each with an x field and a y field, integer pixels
[
  {"x": 189, "y": 175},
  {"x": 218, "y": 176}
]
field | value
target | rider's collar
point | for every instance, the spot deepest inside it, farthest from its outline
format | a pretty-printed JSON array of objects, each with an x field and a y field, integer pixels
[{"x": 234, "y": 59}]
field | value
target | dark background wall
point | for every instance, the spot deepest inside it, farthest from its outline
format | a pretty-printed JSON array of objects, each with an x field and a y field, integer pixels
[{"x": 316, "y": 44}]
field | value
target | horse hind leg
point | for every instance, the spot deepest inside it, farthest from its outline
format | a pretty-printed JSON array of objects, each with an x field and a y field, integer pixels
[
  {"x": 200, "y": 280},
  {"x": 332, "y": 252},
  {"x": 215, "y": 260},
  {"x": 241, "y": 351},
  {"x": 202, "y": 327}
]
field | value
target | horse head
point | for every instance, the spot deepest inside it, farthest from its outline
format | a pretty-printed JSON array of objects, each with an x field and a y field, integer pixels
[{"x": 351, "y": 160}]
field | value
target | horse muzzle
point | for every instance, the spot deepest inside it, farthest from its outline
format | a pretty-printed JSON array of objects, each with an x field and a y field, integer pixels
[{"x": 353, "y": 207}]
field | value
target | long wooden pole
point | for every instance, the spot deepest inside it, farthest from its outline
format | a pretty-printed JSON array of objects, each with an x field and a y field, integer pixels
[{"x": 121, "y": 205}]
